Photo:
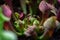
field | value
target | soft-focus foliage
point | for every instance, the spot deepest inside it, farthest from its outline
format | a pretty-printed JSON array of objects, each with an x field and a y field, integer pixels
[{"x": 29, "y": 19}]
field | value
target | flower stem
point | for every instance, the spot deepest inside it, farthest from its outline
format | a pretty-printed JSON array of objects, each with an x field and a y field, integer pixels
[{"x": 1, "y": 26}]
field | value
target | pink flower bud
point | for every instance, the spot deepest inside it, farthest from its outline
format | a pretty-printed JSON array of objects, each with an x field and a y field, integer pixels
[
  {"x": 43, "y": 6},
  {"x": 22, "y": 15},
  {"x": 6, "y": 11},
  {"x": 58, "y": 1}
]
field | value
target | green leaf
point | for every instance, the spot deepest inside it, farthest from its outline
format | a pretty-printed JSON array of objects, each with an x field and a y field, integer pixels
[{"x": 23, "y": 5}]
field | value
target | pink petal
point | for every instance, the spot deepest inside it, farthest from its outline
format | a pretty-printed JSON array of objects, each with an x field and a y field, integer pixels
[{"x": 21, "y": 15}]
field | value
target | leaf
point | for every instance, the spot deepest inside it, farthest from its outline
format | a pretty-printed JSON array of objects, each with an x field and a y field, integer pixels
[
  {"x": 36, "y": 22},
  {"x": 8, "y": 35},
  {"x": 23, "y": 5},
  {"x": 17, "y": 15}
]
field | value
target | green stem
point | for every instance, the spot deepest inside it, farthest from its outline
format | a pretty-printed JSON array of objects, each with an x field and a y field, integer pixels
[
  {"x": 1, "y": 20},
  {"x": 30, "y": 10},
  {"x": 1, "y": 26}
]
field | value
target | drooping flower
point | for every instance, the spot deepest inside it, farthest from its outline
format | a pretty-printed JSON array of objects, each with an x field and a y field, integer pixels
[
  {"x": 43, "y": 6},
  {"x": 6, "y": 10}
]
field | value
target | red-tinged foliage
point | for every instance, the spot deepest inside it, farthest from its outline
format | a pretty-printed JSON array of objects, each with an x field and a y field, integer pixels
[{"x": 7, "y": 26}]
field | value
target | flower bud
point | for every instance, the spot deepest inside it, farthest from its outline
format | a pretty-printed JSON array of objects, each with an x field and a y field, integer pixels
[
  {"x": 43, "y": 6},
  {"x": 6, "y": 11},
  {"x": 58, "y": 1},
  {"x": 22, "y": 16}
]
